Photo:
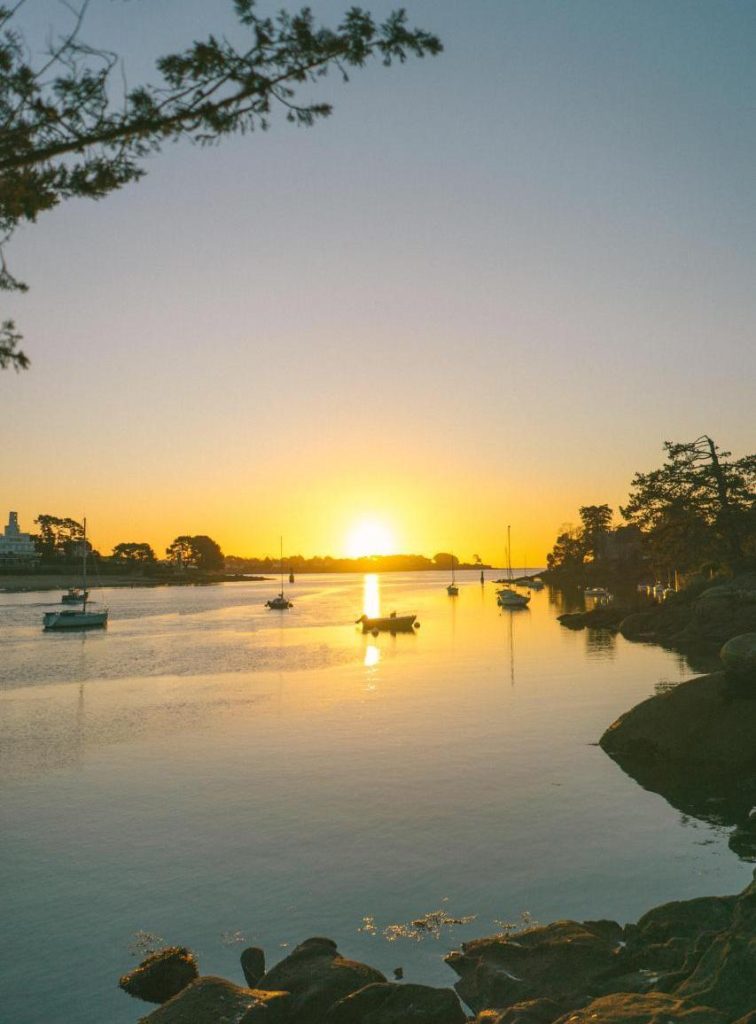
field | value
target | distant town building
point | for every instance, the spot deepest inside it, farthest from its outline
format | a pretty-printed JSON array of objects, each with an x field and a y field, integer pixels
[{"x": 14, "y": 545}]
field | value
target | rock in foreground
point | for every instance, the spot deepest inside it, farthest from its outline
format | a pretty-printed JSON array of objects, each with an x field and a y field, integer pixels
[
  {"x": 686, "y": 962},
  {"x": 161, "y": 975},
  {"x": 217, "y": 1001},
  {"x": 391, "y": 1003},
  {"x": 317, "y": 977}
]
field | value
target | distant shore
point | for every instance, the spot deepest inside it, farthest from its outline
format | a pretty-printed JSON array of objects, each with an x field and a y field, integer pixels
[
  {"x": 20, "y": 582},
  {"x": 29, "y": 582}
]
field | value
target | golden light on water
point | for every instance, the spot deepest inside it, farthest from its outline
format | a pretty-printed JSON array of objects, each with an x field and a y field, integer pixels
[
  {"x": 371, "y": 597},
  {"x": 372, "y": 656},
  {"x": 370, "y": 537}
]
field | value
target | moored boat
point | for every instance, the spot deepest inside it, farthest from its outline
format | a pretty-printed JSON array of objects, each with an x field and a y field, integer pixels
[
  {"x": 79, "y": 618},
  {"x": 452, "y": 590},
  {"x": 281, "y": 602},
  {"x": 75, "y": 619},
  {"x": 388, "y": 624},
  {"x": 507, "y": 597}
]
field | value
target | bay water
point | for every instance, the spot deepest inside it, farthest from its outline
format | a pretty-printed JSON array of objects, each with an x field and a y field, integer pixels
[{"x": 211, "y": 773}]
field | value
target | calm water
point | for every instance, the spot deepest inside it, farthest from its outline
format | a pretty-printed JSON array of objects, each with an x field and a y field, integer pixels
[{"x": 217, "y": 774}]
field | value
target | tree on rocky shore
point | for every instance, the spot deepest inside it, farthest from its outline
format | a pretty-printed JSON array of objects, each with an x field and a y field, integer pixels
[
  {"x": 67, "y": 129},
  {"x": 701, "y": 503}
]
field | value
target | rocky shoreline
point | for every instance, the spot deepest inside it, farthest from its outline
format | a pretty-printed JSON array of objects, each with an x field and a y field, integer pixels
[
  {"x": 691, "y": 961},
  {"x": 699, "y": 619}
]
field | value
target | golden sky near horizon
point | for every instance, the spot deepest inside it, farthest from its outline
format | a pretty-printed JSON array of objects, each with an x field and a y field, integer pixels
[{"x": 484, "y": 292}]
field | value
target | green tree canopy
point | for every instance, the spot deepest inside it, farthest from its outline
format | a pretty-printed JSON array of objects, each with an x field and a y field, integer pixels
[
  {"x": 700, "y": 492},
  {"x": 67, "y": 130},
  {"x": 134, "y": 553},
  {"x": 569, "y": 549},
  {"x": 58, "y": 537},
  {"x": 200, "y": 552},
  {"x": 596, "y": 521}
]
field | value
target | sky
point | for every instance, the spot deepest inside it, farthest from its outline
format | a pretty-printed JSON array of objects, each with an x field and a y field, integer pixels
[{"x": 484, "y": 292}]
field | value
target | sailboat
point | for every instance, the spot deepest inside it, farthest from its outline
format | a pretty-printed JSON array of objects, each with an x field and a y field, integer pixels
[
  {"x": 79, "y": 618},
  {"x": 507, "y": 597},
  {"x": 452, "y": 590},
  {"x": 280, "y": 602}
]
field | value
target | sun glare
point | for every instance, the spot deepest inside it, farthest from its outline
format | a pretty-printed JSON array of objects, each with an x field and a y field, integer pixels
[{"x": 369, "y": 537}]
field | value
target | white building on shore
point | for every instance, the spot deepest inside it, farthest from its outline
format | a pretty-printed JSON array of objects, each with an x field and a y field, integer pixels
[{"x": 14, "y": 545}]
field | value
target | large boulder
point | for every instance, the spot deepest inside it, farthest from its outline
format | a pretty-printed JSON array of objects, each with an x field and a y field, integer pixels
[
  {"x": 212, "y": 1000},
  {"x": 594, "y": 618},
  {"x": 648, "y": 1008},
  {"x": 317, "y": 977},
  {"x": 725, "y": 975},
  {"x": 253, "y": 964},
  {"x": 562, "y": 961},
  {"x": 665, "y": 937},
  {"x": 700, "y": 722},
  {"x": 739, "y": 655},
  {"x": 390, "y": 1003},
  {"x": 532, "y": 1011},
  {"x": 161, "y": 975},
  {"x": 696, "y": 745}
]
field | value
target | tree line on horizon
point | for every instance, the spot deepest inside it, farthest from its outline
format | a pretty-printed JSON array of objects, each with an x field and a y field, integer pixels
[
  {"x": 59, "y": 541},
  {"x": 695, "y": 512}
]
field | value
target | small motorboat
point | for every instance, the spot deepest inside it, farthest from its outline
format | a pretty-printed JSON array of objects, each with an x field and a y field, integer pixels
[
  {"x": 452, "y": 590},
  {"x": 392, "y": 623},
  {"x": 596, "y": 592},
  {"x": 74, "y": 595}
]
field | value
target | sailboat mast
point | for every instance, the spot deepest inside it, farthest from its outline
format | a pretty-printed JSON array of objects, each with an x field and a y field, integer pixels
[
  {"x": 282, "y": 573},
  {"x": 84, "y": 565},
  {"x": 509, "y": 553}
]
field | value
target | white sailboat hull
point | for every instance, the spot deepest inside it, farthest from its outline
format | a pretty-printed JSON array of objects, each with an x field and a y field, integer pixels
[
  {"x": 74, "y": 619},
  {"x": 511, "y": 599}
]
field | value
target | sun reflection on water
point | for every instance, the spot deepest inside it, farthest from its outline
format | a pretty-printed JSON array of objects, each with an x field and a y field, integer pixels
[
  {"x": 371, "y": 599},
  {"x": 372, "y": 656}
]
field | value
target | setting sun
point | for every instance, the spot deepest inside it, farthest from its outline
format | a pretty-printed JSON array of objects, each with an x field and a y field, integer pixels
[{"x": 370, "y": 537}]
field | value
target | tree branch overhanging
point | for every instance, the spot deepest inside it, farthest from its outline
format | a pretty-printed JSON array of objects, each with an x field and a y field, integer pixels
[{"x": 62, "y": 136}]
